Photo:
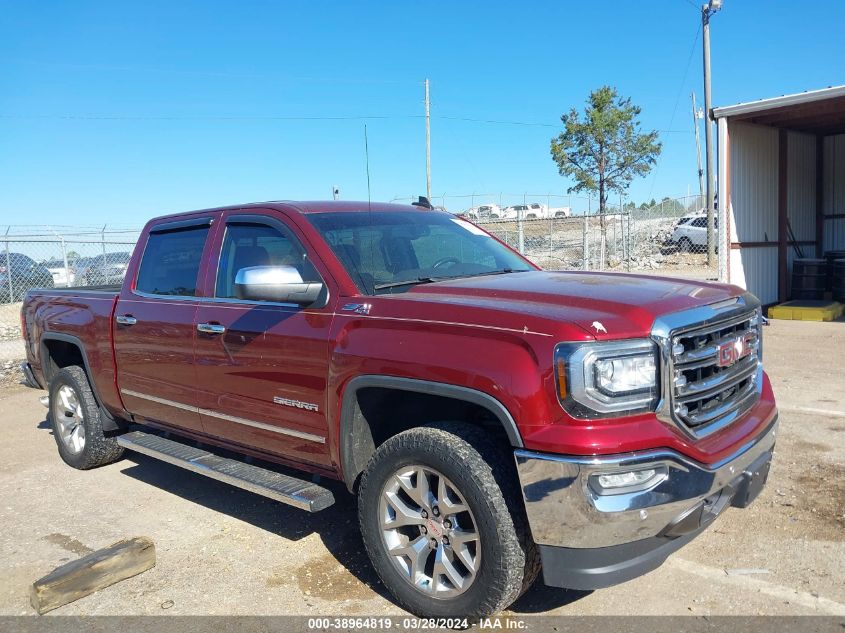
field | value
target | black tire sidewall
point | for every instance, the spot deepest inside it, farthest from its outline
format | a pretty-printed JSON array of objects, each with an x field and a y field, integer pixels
[
  {"x": 98, "y": 449},
  {"x": 494, "y": 526}
]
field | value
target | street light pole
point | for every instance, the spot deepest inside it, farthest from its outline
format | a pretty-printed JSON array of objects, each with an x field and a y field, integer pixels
[{"x": 707, "y": 11}]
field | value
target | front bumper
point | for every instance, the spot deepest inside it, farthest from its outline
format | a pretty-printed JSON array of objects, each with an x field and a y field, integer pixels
[{"x": 589, "y": 540}]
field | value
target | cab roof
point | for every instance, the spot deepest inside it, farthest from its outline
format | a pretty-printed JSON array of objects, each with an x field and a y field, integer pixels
[{"x": 306, "y": 207}]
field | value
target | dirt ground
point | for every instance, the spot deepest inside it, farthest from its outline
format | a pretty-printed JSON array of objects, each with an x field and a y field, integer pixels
[{"x": 224, "y": 551}]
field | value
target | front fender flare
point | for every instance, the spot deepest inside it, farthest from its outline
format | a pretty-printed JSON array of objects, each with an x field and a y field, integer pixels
[{"x": 356, "y": 441}]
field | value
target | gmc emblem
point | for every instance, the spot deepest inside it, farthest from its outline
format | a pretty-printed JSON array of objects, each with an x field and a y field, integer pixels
[{"x": 733, "y": 350}]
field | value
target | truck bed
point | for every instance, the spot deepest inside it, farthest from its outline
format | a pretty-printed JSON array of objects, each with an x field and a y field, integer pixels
[{"x": 60, "y": 316}]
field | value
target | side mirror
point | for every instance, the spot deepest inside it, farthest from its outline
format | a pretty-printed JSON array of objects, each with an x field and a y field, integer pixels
[{"x": 282, "y": 284}]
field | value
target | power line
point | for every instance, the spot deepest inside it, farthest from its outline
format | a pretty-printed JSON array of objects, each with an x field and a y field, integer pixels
[
  {"x": 121, "y": 117},
  {"x": 375, "y": 117},
  {"x": 677, "y": 101},
  {"x": 497, "y": 122}
]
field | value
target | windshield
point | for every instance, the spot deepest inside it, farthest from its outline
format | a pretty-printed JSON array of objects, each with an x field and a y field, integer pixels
[{"x": 390, "y": 251}]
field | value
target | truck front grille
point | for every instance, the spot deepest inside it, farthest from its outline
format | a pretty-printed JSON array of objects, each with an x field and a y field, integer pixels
[{"x": 715, "y": 373}]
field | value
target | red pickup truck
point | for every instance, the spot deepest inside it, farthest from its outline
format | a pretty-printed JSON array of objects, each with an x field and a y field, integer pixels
[{"x": 493, "y": 419}]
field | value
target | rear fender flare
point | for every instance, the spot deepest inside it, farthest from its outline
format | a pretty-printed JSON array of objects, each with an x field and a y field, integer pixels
[{"x": 109, "y": 422}]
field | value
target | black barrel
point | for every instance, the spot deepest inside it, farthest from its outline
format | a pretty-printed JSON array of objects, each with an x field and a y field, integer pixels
[
  {"x": 809, "y": 278},
  {"x": 832, "y": 256},
  {"x": 838, "y": 287}
]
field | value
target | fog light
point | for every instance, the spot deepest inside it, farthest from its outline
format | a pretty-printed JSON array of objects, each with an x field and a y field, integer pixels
[
  {"x": 622, "y": 480},
  {"x": 629, "y": 481}
]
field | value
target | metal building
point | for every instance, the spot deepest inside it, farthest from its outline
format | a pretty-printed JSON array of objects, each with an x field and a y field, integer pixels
[{"x": 781, "y": 187}]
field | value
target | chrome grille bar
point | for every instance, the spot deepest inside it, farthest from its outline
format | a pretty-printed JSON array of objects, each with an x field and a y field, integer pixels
[
  {"x": 706, "y": 385},
  {"x": 747, "y": 397},
  {"x": 719, "y": 382}
]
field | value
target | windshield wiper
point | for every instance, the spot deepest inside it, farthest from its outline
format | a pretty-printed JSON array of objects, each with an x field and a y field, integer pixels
[
  {"x": 503, "y": 271},
  {"x": 407, "y": 282},
  {"x": 428, "y": 280}
]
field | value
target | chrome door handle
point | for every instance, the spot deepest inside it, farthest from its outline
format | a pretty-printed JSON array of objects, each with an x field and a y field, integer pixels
[
  {"x": 125, "y": 319},
  {"x": 211, "y": 328}
]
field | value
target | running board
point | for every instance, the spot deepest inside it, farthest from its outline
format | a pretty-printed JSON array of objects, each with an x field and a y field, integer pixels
[{"x": 290, "y": 490}]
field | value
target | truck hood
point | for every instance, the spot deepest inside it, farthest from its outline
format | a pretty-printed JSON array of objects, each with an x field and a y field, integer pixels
[{"x": 607, "y": 305}]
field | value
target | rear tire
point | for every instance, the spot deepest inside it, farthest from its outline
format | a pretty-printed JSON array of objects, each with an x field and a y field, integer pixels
[
  {"x": 492, "y": 570},
  {"x": 77, "y": 423}
]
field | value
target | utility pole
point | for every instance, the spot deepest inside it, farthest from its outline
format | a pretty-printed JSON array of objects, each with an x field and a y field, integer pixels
[
  {"x": 696, "y": 115},
  {"x": 707, "y": 11},
  {"x": 427, "y": 143}
]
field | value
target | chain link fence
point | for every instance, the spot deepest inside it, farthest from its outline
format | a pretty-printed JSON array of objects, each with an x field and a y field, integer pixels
[
  {"x": 555, "y": 232},
  {"x": 62, "y": 257},
  {"x": 563, "y": 232}
]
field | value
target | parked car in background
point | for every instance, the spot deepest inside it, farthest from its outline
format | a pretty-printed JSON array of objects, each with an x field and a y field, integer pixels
[
  {"x": 535, "y": 211},
  {"x": 106, "y": 269},
  {"x": 79, "y": 267},
  {"x": 63, "y": 273},
  {"x": 483, "y": 212},
  {"x": 690, "y": 234},
  {"x": 19, "y": 273},
  {"x": 515, "y": 211}
]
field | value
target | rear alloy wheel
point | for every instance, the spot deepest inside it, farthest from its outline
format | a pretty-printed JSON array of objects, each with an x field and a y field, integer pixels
[
  {"x": 69, "y": 417},
  {"x": 443, "y": 522},
  {"x": 77, "y": 421}
]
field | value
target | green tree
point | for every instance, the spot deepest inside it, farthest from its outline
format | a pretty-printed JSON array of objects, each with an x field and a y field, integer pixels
[{"x": 605, "y": 150}]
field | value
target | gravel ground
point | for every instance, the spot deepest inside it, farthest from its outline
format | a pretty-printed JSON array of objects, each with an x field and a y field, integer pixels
[
  {"x": 225, "y": 551},
  {"x": 10, "y": 321}
]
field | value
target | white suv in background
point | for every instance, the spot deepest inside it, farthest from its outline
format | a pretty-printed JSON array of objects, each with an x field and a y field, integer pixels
[{"x": 690, "y": 235}]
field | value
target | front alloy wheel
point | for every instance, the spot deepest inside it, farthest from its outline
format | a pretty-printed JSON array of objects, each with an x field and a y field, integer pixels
[
  {"x": 429, "y": 532},
  {"x": 442, "y": 519}
]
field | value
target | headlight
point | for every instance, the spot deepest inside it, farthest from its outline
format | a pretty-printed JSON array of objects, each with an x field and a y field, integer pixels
[{"x": 606, "y": 378}]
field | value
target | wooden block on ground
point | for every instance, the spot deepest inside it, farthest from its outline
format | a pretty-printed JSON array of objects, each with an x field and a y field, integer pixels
[{"x": 91, "y": 573}]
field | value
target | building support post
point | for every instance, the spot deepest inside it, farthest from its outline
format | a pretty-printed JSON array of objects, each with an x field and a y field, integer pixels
[
  {"x": 783, "y": 240},
  {"x": 819, "y": 196}
]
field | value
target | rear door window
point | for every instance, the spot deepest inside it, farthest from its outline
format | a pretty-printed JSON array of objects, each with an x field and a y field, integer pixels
[{"x": 171, "y": 262}]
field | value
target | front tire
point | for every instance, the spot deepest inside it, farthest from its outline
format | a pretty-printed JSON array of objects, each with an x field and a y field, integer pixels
[
  {"x": 442, "y": 520},
  {"x": 77, "y": 423}
]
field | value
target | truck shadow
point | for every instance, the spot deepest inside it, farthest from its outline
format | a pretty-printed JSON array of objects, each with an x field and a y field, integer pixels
[
  {"x": 541, "y": 598},
  {"x": 336, "y": 526}
]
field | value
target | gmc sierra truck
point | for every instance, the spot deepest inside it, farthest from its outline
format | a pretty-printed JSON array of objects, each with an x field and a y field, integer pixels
[{"x": 494, "y": 420}]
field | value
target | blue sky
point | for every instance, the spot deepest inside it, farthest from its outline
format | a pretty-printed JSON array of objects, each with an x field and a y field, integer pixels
[{"x": 117, "y": 111}]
